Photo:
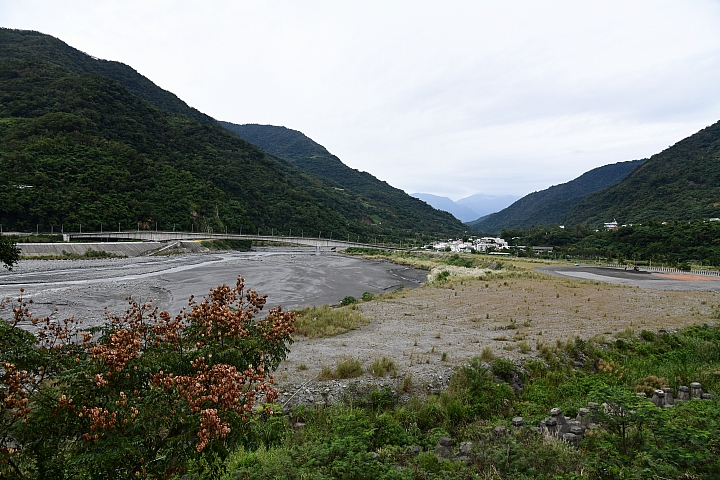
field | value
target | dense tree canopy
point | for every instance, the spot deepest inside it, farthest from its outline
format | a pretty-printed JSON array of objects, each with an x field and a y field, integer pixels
[
  {"x": 9, "y": 253},
  {"x": 391, "y": 204},
  {"x": 669, "y": 243}
]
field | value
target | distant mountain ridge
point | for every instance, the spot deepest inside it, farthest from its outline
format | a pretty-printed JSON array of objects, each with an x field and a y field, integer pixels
[
  {"x": 552, "y": 205},
  {"x": 446, "y": 204},
  {"x": 484, "y": 205},
  {"x": 468, "y": 209},
  {"x": 311, "y": 157},
  {"x": 680, "y": 183}
]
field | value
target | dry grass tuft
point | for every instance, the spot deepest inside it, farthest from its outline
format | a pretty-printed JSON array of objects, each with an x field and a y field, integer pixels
[
  {"x": 347, "y": 368},
  {"x": 382, "y": 366},
  {"x": 325, "y": 321}
]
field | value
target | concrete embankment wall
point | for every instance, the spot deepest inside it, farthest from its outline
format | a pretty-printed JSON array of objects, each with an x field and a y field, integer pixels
[{"x": 126, "y": 249}]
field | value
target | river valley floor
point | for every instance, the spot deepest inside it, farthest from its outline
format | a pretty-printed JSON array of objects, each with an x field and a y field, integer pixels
[{"x": 426, "y": 331}]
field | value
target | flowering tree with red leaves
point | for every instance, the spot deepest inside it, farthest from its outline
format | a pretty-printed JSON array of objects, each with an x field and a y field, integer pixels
[{"x": 141, "y": 395}]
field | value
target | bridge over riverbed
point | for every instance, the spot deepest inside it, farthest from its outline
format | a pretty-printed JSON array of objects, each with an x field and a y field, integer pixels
[{"x": 160, "y": 236}]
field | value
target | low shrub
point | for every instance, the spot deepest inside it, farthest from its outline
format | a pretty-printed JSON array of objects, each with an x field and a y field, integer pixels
[
  {"x": 348, "y": 300},
  {"x": 367, "y": 297},
  {"x": 442, "y": 277},
  {"x": 503, "y": 368}
]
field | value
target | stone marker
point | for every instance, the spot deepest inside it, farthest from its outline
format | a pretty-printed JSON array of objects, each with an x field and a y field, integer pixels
[
  {"x": 658, "y": 398},
  {"x": 683, "y": 393},
  {"x": 571, "y": 438},
  {"x": 696, "y": 391},
  {"x": 669, "y": 400}
]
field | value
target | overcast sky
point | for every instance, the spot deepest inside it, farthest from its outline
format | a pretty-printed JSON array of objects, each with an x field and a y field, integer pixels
[{"x": 451, "y": 98}]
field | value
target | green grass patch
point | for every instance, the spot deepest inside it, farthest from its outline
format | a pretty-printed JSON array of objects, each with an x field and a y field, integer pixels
[
  {"x": 325, "y": 321},
  {"x": 90, "y": 254},
  {"x": 366, "y": 251},
  {"x": 229, "y": 244}
]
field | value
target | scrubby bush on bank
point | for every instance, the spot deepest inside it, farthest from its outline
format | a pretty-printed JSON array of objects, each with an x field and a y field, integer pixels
[
  {"x": 141, "y": 396},
  {"x": 366, "y": 438}
]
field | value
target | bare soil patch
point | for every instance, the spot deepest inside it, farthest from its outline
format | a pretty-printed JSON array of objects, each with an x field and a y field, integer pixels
[{"x": 429, "y": 330}]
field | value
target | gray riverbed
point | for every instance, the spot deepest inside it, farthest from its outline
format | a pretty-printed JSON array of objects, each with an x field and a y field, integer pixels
[{"x": 291, "y": 277}]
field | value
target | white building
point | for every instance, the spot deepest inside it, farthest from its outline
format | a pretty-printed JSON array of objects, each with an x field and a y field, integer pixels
[{"x": 485, "y": 244}]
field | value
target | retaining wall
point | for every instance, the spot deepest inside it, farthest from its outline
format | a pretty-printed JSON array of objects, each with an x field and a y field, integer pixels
[{"x": 126, "y": 249}]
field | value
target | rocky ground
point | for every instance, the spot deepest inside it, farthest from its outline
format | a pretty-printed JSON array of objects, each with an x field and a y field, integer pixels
[{"x": 428, "y": 331}]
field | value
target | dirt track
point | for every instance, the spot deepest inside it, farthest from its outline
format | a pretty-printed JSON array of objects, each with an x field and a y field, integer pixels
[{"x": 642, "y": 279}]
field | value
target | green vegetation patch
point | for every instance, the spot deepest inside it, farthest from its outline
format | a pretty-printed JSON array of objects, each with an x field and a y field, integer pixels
[
  {"x": 383, "y": 366},
  {"x": 89, "y": 254},
  {"x": 366, "y": 251},
  {"x": 229, "y": 244},
  {"x": 371, "y": 435},
  {"x": 326, "y": 321},
  {"x": 348, "y": 367},
  {"x": 677, "y": 244}
]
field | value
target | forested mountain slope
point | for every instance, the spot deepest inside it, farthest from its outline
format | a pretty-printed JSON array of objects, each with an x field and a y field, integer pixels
[
  {"x": 79, "y": 147},
  {"x": 38, "y": 47},
  {"x": 313, "y": 158},
  {"x": 550, "y": 206},
  {"x": 680, "y": 183}
]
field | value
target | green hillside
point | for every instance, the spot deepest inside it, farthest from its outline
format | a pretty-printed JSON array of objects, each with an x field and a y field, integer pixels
[
  {"x": 313, "y": 158},
  {"x": 37, "y": 47},
  {"x": 679, "y": 183},
  {"x": 81, "y": 147},
  {"x": 550, "y": 206}
]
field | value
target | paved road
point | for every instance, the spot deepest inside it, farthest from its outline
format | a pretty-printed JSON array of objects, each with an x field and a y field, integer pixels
[
  {"x": 651, "y": 281},
  {"x": 292, "y": 278}
]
